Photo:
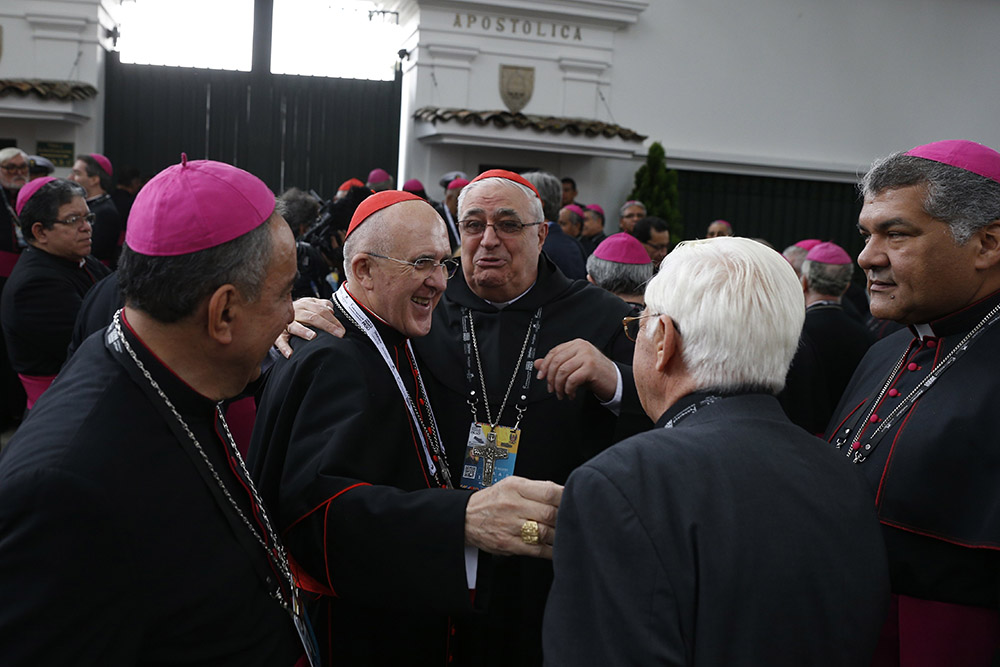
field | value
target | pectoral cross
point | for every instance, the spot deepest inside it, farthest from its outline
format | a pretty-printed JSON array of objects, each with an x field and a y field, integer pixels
[{"x": 490, "y": 452}]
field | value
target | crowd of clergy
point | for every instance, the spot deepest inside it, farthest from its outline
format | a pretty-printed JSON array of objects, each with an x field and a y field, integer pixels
[{"x": 248, "y": 429}]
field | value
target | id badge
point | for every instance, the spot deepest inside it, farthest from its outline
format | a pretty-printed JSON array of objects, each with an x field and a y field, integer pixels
[
  {"x": 489, "y": 455},
  {"x": 307, "y": 636}
]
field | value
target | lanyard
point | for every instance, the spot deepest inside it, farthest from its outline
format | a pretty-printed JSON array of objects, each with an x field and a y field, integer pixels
[
  {"x": 361, "y": 320},
  {"x": 471, "y": 347}
]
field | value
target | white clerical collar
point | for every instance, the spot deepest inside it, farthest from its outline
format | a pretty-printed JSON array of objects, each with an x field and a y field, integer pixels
[
  {"x": 924, "y": 331},
  {"x": 500, "y": 305}
]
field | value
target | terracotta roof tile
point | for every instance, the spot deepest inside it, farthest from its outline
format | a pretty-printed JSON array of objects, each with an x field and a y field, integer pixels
[
  {"x": 553, "y": 124},
  {"x": 47, "y": 90}
]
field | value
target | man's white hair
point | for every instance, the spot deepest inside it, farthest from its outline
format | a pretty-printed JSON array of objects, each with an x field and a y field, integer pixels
[
  {"x": 534, "y": 203},
  {"x": 738, "y": 307},
  {"x": 10, "y": 153}
]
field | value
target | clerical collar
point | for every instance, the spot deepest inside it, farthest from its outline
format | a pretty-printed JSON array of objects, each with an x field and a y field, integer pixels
[
  {"x": 500, "y": 305},
  {"x": 77, "y": 263},
  {"x": 958, "y": 322}
]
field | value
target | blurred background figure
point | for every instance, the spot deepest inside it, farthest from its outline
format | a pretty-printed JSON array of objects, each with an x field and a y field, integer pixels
[
  {"x": 832, "y": 343},
  {"x": 565, "y": 251},
  {"x": 571, "y": 220},
  {"x": 593, "y": 228},
  {"x": 569, "y": 192},
  {"x": 719, "y": 228},
  {"x": 379, "y": 180},
  {"x": 654, "y": 235},
  {"x": 630, "y": 213},
  {"x": 39, "y": 166},
  {"x": 300, "y": 210},
  {"x": 621, "y": 266},
  {"x": 94, "y": 172}
]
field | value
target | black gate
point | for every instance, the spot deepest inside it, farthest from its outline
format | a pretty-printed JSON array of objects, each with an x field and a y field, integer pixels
[
  {"x": 309, "y": 132},
  {"x": 778, "y": 210}
]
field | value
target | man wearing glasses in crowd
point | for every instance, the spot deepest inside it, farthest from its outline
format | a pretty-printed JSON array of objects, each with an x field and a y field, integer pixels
[
  {"x": 348, "y": 453},
  {"x": 727, "y": 535},
  {"x": 519, "y": 364},
  {"x": 46, "y": 288}
]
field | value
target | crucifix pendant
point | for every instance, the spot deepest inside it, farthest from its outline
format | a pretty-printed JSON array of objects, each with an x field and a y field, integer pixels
[{"x": 490, "y": 453}]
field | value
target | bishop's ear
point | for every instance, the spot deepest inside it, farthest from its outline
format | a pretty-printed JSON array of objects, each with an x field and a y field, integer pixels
[
  {"x": 221, "y": 312},
  {"x": 989, "y": 246}
]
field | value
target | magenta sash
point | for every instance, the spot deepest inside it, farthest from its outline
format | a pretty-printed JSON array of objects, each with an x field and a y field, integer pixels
[
  {"x": 35, "y": 386},
  {"x": 925, "y": 633},
  {"x": 7, "y": 262}
]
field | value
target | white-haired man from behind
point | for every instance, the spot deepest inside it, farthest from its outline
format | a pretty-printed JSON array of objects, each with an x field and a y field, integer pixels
[{"x": 695, "y": 540}]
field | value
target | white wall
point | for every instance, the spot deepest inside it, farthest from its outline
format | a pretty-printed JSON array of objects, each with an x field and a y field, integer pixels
[
  {"x": 809, "y": 83},
  {"x": 54, "y": 40}
]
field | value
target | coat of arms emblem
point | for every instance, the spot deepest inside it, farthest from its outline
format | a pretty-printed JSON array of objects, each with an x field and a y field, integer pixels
[{"x": 516, "y": 86}]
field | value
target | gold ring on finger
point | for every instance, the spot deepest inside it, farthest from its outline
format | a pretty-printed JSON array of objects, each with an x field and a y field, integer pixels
[{"x": 529, "y": 532}]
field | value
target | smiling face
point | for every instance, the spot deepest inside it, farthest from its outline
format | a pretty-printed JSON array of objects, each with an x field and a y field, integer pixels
[
  {"x": 497, "y": 267},
  {"x": 271, "y": 311},
  {"x": 916, "y": 273},
  {"x": 396, "y": 292},
  {"x": 69, "y": 241}
]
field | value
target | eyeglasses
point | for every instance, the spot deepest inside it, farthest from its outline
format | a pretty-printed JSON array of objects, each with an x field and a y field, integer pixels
[
  {"x": 425, "y": 265},
  {"x": 77, "y": 219},
  {"x": 502, "y": 228},
  {"x": 15, "y": 167},
  {"x": 631, "y": 325},
  {"x": 657, "y": 246}
]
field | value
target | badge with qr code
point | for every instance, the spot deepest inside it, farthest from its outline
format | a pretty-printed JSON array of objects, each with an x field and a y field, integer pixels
[{"x": 489, "y": 455}]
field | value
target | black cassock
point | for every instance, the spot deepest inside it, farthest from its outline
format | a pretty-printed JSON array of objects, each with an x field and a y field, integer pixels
[
  {"x": 733, "y": 538},
  {"x": 830, "y": 348},
  {"x": 373, "y": 536},
  {"x": 114, "y": 549},
  {"x": 935, "y": 470},
  {"x": 39, "y": 307},
  {"x": 556, "y": 436}
]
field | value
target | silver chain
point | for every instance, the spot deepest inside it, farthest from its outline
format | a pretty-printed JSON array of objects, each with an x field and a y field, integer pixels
[
  {"x": 482, "y": 378},
  {"x": 887, "y": 423},
  {"x": 279, "y": 550}
]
